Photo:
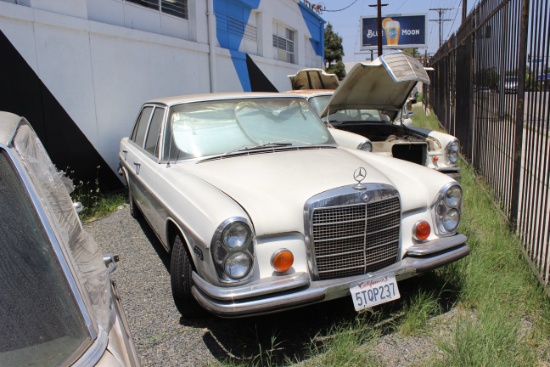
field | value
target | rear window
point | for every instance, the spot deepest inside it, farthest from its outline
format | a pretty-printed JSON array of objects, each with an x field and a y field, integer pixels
[{"x": 41, "y": 322}]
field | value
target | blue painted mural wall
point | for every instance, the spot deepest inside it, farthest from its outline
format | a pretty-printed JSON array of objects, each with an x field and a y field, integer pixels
[
  {"x": 315, "y": 25},
  {"x": 240, "y": 10}
]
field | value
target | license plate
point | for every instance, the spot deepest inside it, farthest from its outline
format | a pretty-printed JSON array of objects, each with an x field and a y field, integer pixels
[{"x": 374, "y": 291}]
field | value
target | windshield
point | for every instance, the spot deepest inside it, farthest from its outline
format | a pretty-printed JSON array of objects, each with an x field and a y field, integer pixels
[
  {"x": 41, "y": 322},
  {"x": 347, "y": 115},
  {"x": 319, "y": 103},
  {"x": 357, "y": 115},
  {"x": 212, "y": 128}
]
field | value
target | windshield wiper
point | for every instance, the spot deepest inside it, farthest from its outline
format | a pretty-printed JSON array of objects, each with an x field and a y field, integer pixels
[
  {"x": 266, "y": 145},
  {"x": 260, "y": 146}
]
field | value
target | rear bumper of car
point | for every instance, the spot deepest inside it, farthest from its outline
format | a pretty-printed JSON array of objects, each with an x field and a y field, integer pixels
[{"x": 279, "y": 293}]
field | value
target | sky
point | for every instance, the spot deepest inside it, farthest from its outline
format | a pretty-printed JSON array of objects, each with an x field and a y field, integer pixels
[{"x": 345, "y": 15}]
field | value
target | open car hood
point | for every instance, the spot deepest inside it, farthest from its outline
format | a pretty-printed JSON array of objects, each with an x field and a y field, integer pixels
[
  {"x": 382, "y": 84},
  {"x": 313, "y": 79}
]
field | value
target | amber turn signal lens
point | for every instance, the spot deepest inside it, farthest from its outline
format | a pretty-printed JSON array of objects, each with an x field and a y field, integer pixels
[
  {"x": 422, "y": 230},
  {"x": 282, "y": 260},
  {"x": 435, "y": 160}
]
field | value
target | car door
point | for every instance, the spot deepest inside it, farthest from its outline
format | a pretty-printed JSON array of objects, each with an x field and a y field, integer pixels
[
  {"x": 130, "y": 152},
  {"x": 142, "y": 162}
]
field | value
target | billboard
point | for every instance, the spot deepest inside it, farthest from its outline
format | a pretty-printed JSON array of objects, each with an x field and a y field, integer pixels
[{"x": 398, "y": 31}]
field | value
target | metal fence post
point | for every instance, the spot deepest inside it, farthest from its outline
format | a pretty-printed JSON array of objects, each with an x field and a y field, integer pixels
[{"x": 520, "y": 109}]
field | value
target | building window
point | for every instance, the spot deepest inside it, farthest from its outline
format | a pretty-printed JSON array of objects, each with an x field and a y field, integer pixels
[
  {"x": 283, "y": 43},
  {"x": 236, "y": 27},
  {"x": 177, "y": 8}
]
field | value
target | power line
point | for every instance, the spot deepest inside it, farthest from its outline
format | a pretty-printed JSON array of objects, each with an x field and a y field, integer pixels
[
  {"x": 440, "y": 20},
  {"x": 453, "y": 23},
  {"x": 324, "y": 9}
]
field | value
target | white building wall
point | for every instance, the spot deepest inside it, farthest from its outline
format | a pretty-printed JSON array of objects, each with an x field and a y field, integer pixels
[{"x": 101, "y": 59}]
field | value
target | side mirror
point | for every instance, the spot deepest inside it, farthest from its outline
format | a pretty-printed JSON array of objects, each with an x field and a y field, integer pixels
[{"x": 78, "y": 206}]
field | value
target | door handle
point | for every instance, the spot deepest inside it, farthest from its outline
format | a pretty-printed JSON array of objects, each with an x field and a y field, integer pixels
[
  {"x": 124, "y": 152},
  {"x": 138, "y": 166}
]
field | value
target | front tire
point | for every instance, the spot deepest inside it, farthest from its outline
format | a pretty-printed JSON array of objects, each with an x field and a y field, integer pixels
[{"x": 181, "y": 269}]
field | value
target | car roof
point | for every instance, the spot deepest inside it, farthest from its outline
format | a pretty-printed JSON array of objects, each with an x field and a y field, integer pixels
[
  {"x": 313, "y": 78},
  {"x": 311, "y": 92},
  {"x": 9, "y": 125},
  {"x": 189, "y": 98}
]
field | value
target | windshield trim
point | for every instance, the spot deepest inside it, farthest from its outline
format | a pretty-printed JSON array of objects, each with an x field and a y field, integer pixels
[
  {"x": 259, "y": 151},
  {"x": 168, "y": 139}
]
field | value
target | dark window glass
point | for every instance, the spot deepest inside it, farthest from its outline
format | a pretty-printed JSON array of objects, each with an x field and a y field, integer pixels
[
  {"x": 41, "y": 321},
  {"x": 154, "y": 131},
  {"x": 138, "y": 136},
  {"x": 153, "y": 4},
  {"x": 176, "y": 8}
]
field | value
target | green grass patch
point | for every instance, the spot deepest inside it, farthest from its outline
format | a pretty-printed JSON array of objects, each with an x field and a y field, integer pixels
[
  {"x": 96, "y": 204},
  {"x": 506, "y": 311},
  {"x": 348, "y": 345}
]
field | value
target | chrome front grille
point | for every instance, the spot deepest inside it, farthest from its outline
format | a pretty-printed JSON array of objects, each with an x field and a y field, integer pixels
[{"x": 350, "y": 235}]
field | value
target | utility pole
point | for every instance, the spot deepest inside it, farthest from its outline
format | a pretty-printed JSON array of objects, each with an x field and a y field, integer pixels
[
  {"x": 440, "y": 20},
  {"x": 379, "y": 31}
]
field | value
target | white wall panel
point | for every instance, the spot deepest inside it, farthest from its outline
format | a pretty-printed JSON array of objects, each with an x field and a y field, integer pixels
[
  {"x": 73, "y": 8},
  {"x": 19, "y": 29},
  {"x": 101, "y": 59},
  {"x": 106, "y": 11},
  {"x": 174, "y": 26},
  {"x": 138, "y": 17},
  {"x": 129, "y": 72},
  {"x": 64, "y": 66}
]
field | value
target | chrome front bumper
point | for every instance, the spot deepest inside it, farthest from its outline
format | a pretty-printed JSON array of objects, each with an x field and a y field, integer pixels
[{"x": 284, "y": 292}]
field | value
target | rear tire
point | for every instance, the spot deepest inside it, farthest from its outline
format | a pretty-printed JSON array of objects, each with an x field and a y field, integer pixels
[{"x": 181, "y": 269}]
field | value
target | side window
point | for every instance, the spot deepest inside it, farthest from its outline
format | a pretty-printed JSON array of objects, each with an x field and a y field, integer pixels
[
  {"x": 138, "y": 135},
  {"x": 151, "y": 143}
]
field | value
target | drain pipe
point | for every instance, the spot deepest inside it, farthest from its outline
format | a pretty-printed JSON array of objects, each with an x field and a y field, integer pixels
[{"x": 212, "y": 46}]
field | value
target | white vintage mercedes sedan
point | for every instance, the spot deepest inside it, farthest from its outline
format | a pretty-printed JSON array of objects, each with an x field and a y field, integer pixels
[
  {"x": 262, "y": 211},
  {"x": 373, "y": 101}
]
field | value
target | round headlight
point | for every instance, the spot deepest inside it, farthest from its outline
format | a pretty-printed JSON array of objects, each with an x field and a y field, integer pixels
[
  {"x": 237, "y": 265},
  {"x": 453, "y": 157},
  {"x": 365, "y": 146},
  {"x": 453, "y": 196},
  {"x": 452, "y": 151},
  {"x": 451, "y": 220},
  {"x": 236, "y": 235}
]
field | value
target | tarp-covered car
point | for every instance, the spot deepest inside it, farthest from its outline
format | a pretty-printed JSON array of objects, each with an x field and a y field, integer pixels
[
  {"x": 370, "y": 101},
  {"x": 262, "y": 211},
  {"x": 58, "y": 306}
]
